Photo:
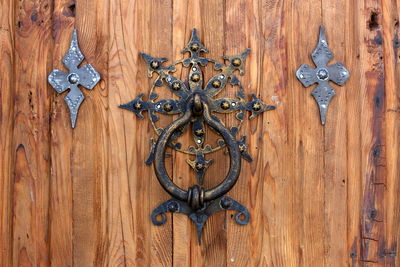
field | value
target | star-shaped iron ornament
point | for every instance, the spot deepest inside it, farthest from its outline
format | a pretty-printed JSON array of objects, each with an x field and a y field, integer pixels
[
  {"x": 336, "y": 73},
  {"x": 185, "y": 89},
  {"x": 86, "y": 76},
  {"x": 206, "y": 91}
]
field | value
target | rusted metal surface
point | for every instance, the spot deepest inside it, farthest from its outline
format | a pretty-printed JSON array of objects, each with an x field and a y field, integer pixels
[{"x": 197, "y": 103}]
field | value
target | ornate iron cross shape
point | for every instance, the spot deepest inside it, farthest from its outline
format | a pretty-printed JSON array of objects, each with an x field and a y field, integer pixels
[
  {"x": 337, "y": 73},
  {"x": 86, "y": 76},
  {"x": 197, "y": 103}
]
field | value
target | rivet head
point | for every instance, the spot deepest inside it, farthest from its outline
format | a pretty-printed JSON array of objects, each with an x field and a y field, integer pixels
[
  {"x": 256, "y": 106},
  {"x": 216, "y": 84},
  {"x": 199, "y": 132},
  {"x": 236, "y": 62},
  {"x": 195, "y": 77},
  {"x": 137, "y": 106},
  {"x": 322, "y": 74},
  {"x": 155, "y": 64},
  {"x": 226, "y": 202},
  {"x": 168, "y": 107},
  {"x": 242, "y": 148},
  {"x": 194, "y": 47},
  {"x": 225, "y": 105},
  {"x": 176, "y": 86},
  {"x": 172, "y": 206},
  {"x": 199, "y": 166},
  {"x": 73, "y": 78}
]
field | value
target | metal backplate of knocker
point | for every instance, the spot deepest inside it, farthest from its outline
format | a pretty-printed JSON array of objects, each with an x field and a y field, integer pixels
[
  {"x": 336, "y": 73},
  {"x": 86, "y": 76},
  {"x": 197, "y": 102}
]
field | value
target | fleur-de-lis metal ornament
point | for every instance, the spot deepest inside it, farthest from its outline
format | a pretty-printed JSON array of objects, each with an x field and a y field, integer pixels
[
  {"x": 336, "y": 73},
  {"x": 197, "y": 102},
  {"x": 86, "y": 76}
]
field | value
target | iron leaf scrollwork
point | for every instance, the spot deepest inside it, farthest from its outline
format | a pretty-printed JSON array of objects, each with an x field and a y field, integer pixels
[{"x": 197, "y": 104}]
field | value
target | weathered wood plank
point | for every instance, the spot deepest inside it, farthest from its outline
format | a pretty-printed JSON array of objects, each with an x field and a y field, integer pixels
[
  {"x": 335, "y": 145},
  {"x": 390, "y": 23},
  {"x": 182, "y": 172},
  {"x": 159, "y": 44},
  {"x": 307, "y": 179},
  {"x": 151, "y": 245},
  {"x": 89, "y": 153},
  {"x": 372, "y": 103},
  {"x": 121, "y": 83},
  {"x": 277, "y": 205},
  {"x": 236, "y": 41},
  {"x": 61, "y": 198},
  {"x": 31, "y": 136},
  {"x": 7, "y": 91},
  {"x": 213, "y": 26},
  {"x": 353, "y": 91}
]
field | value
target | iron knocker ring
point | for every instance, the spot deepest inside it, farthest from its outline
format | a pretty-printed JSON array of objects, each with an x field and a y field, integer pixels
[{"x": 196, "y": 195}]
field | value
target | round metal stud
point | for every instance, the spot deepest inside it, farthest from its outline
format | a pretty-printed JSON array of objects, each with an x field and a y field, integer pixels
[
  {"x": 138, "y": 106},
  {"x": 242, "y": 148},
  {"x": 195, "y": 77},
  {"x": 199, "y": 166},
  {"x": 322, "y": 74},
  {"x": 167, "y": 107},
  {"x": 236, "y": 62},
  {"x": 256, "y": 106},
  {"x": 199, "y": 132},
  {"x": 172, "y": 206},
  {"x": 73, "y": 78},
  {"x": 194, "y": 47},
  {"x": 216, "y": 83},
  {"x": 225, "y": 105},
  {"x": 226, "y": 202},
  {"x": 176, "y": 86},
  {"x": 155, "y": 64}
]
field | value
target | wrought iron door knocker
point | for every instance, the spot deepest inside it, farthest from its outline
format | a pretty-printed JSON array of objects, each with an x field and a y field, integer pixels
[{"x": 196, "y": 104}]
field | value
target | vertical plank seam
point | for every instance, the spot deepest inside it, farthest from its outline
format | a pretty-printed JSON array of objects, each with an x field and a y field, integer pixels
[
  {"x": 172, "y": 154},
  {"x": 13, "y": 154},
  {"x": 51, "y": 109}
]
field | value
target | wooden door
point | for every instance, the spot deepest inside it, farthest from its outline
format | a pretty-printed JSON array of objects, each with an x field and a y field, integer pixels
[{"x": 318, "y": 195}]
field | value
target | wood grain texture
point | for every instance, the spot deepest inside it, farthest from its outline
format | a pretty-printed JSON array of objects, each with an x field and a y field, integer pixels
[
  {"x": 6, "y": 130},
  {"x": 31, "y": 135},
  {"x": 318, "y": 195}
]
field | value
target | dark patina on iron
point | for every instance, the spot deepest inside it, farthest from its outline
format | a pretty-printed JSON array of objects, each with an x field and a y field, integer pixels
[{"x": 197, "y": 102}]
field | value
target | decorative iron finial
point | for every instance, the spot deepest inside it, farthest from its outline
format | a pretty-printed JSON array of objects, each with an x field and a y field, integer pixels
[
  {"x": 86, "y": 76},
  {"x": 337, "y": 73}
]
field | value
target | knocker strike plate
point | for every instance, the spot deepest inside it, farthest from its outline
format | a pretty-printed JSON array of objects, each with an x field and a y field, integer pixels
[{"x": 197, "y": 104}]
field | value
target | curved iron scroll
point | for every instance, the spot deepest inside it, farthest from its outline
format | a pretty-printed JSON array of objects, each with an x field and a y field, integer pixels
[{"x": 197, "y": 104}]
